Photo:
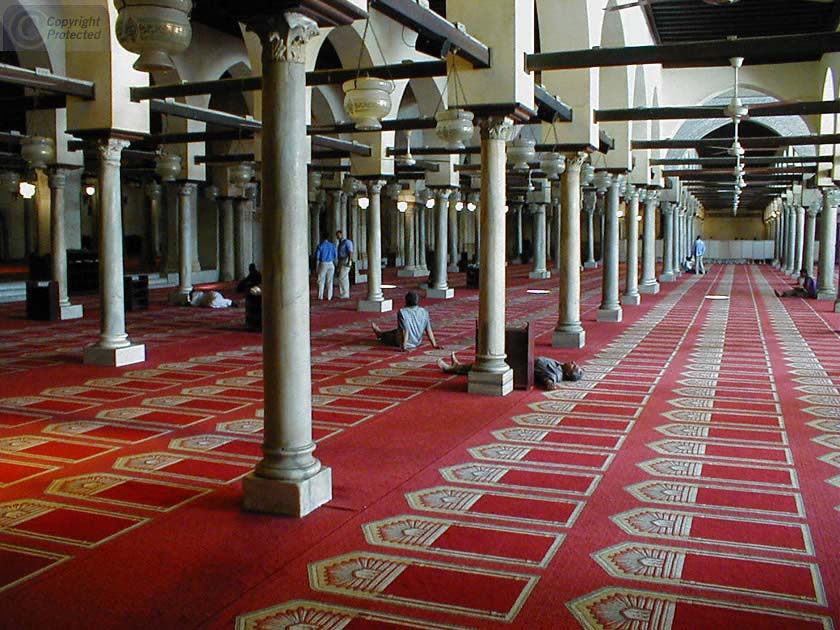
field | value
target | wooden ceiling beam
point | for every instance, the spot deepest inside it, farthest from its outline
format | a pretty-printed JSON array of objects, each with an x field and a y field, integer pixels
[{"x": 764, "y": 142}]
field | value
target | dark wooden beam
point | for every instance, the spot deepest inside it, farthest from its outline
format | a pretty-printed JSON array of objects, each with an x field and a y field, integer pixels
[
  {"x": 436, "y": 36},
  {"x": 232, "y": 158},
  {"x": 32, "y": 103},
  {"x": 747, "y": 160},
  {"x": 47, "y": 81},
  {"x": 697, "y": 54},
  {"x": 399, "y": 124},
  {"x": 764, "y": 142},
  {"x": 750, "y": 172},
  {"x": 410, "y": 70},
  {"x": 202, "y": 114},
  {"x": 549, "y": 107},
  {"x": 336, "y": 144},
  {"x": 761, "y": 110},
  {"x": 606, "y": 142},
  {"x": 563, "y": 147}
]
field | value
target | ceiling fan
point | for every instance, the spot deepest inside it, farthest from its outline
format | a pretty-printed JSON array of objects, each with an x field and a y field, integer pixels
[{"x": 714, "y": 3}]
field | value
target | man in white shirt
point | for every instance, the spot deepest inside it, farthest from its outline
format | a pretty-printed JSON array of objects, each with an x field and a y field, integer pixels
[{"x": 699, "y": 252}]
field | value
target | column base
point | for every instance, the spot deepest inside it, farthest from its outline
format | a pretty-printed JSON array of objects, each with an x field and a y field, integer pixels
[
  {"x": 793, "y": 274},
  {"x": 452, "y": 269},
  {"x": 827, "y": 295},
  {"x": 441, "y": 294},
  {"x": 114, "y": 357},
  {"x": 609, "y": 315},
  {"x": 490, "y": 383},
  {"x": 631, "y": 300},
  {"x": 667, "y": 277},
  {"x": 286, "y": 498},
  {"x": 837, "y": 306},
  {"x": 590, "y": 264},
  {"x": 360, "y": 279},
  {"x": 650, "y": 289},
  {"x": 71, "y": 311},
  {"x": 539, "y": 275},
  {"x": 568, "y": 339},
  {"x": 375, "y": 306},
  {"x": 412, "y": 273},
  {"x": 177, "y": 298}
]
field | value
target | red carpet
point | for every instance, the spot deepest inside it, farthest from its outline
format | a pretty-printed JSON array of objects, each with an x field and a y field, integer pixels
[{"x": 689, "y": 481}]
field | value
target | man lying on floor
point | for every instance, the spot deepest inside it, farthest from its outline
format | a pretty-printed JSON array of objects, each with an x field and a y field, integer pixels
[
  {"x": 547, "y": 372},
  {"x": 210, "y": 299}
]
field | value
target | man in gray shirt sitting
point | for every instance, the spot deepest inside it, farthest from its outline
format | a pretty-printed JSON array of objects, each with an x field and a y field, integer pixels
[{"x": 412, "y": 322}]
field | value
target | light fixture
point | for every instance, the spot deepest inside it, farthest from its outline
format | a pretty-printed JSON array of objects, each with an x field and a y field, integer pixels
[
  {"x": 154, "y": 29},
  {"x": 90, "y": 191},
  {"x": 402, "y": 205},
  {"x": 454, "y": 125},
  {"x": 553, "y": 164},
  {"x": 587, "y": 174},
  {"x": 26, "y": 190},
  {"x": 470, "y": 206},
  {"x": 367, "y": 100},
  {"x": 167, "y": 166},
  {"x": 430, "y": 203},
  {"x": 520, "y": 152},
  {"x": 459, "y": 205},
  {"x": 38, "y": 151},
  {"x": 602, "y": 180},
  {"x": 241, "y": 173},
  {"x": 364, "y": 202}
]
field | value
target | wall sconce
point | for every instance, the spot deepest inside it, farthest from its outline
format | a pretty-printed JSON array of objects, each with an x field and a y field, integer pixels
[
  {"x": 402, "y": 205},
  {"x": 26, "y": 190},
  {"x": 364, "y": 202},
  {"x": 470, "y": 206},
  {"x": 459, "y": 205},
  {"x": 430, "y": 203},
  {"x": 90, "y": 191}
]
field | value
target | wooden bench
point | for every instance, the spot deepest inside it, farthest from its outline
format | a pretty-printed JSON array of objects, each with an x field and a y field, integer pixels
[
  {"x": 519, "y": 348},
  {"x": 42, "y": 300},
  {"x": 136, "y": 293}
]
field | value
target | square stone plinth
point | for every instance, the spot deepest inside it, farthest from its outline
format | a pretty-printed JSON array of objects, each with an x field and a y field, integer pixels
[
  {"x": 452, "y": 269},
  {"x": 649, "y": 289},
  {"x": 539, "y": 275},
  {"x": 609, "y": 315},
  {"x": 441, "y": 294},
  {"x": 375, "y": 306},
  {"x": 667, "y": 277},
  {"x": 412, "y": 273},
  {"x": 114, "y": 357},
  {"x": 631, "y": 300},
  {"x": 71, "y": 311},
  {"x": 568, "y": 339},
  {"x": 591, "y": 264},
  {"x": 490, "y": 383},
  {"x": 826, "y": 295},
  {"x": 286, "y": 498},
  {"x": 179, "y": 299}
]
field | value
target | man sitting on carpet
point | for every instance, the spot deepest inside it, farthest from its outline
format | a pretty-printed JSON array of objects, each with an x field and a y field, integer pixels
[
  {"x": 807, "y": 288},
  {"x": 547, "y": 372},
  {"x": 412, "y": 322},
  {"x": 210, "y": 299}
]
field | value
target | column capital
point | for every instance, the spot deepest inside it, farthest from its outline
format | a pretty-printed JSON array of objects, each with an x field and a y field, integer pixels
[
  {"x": 153, "y": 190},
  {"x": 668, "y": 208},
  {"x": 442, "y": 194},
  {"x": 375, "y": 186},
  {"x": 57, "y": 177},
  {"x": 831, "y": 196},
  {"x": 110, "y": 150},
  {"x": 536, "y": 208},
  {"x": 812, "y": 212},
  {"x": 284, "y": 37},
  {"x": 575, "y": 161},
  {"x": 496, "y": 128},
  {"x": 187, "y": 188}
]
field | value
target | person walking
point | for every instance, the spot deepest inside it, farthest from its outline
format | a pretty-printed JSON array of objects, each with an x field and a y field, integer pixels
[
  {"x": 699, "y": 252},
  {"x": 345, "y": 261},
  {"x": 326, "y": 255}
]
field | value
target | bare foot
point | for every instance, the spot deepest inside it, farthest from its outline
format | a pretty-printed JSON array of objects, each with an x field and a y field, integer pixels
[
  {"x": 376, "y": 328},
  {"x": 454, "y": 359},
  {"x": 442, "y": 364}
]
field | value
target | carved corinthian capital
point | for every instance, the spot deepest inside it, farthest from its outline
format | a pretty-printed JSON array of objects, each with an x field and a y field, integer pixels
[
  {"x": 574, "y": 162},
  {"x": 496, "y": 128},
  {"x": 110, "y": 150},
  {"x": 284, "y": 40}
]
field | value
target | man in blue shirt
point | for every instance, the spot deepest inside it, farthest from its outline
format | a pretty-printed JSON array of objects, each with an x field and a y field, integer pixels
[
  {"x": 345, "y": 260},
  {"x": 412, "y": 322},
  {"x": 699, "y": 252},
  {"x": 326, "y": 255}
]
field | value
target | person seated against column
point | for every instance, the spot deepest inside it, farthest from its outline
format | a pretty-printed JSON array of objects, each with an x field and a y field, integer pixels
[
  {"x": 412, "y": 321},
  {"x": 253, "y": 279},
  {"x": 210, "y": 299},
  {"x": 688, "y": 265},
  {"x": 807, "y": 288},
  {"x": 325, "y": 255},
  {"x": 548, "y": 372},
  {"x": 344, "y": 249}
]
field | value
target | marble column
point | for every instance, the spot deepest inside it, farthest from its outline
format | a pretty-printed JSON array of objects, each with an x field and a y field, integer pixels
[
  {"x": 810, "y": 234},
  {"x": 800, "y": 242},
  {"x": 452, "y": 215},
  {"x": 490, "y": 373},
  {"x": 610, "y": 309},
  {"x": 196, "y": 265},
  {"x": 153, "y": 192},
  {"x": 58, "y": 245},
  {"x": 519, "y": 210},
  {"x": 402, "y": 251},
  {"x": 226, "y": 266},
  {"x": 314, "y": 225},
  {"x": 411, "y": 268},
  {"x": 439, "y": 285},
  {"x": 171, "y": 259},
  {"x": 631, "y": 296},
  {"x": 30, "y": 228},
  {"x": 290, "y": 479},
  {"x": 113, "y": 348},
  {"x": 649, "y": 284},
  {"x": 783, "y": 237},
  {"x": 557, "y": 220},
  {"x": 375, "y": 302},
  {"x": 828, "y": 237},
  {"x": 540, "y": 271},
  {"x": 244, "y": 237},
  {"x": 790, "y": 245},
  {"x": 420, "y": 218},
  {"x": 590, "y": 200},
  {"x": 334, "y": 218},
  {"x": 667, "y": 211},
  {"x": 186, "y": 190},
  {"x": 568, "y": 333},
  {"x": 776, "y": 240},
  {"x": 676, "y": 232}
]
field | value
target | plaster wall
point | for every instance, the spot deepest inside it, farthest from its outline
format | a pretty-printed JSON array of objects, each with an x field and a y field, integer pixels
[{"x": 732, "y": 228}]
